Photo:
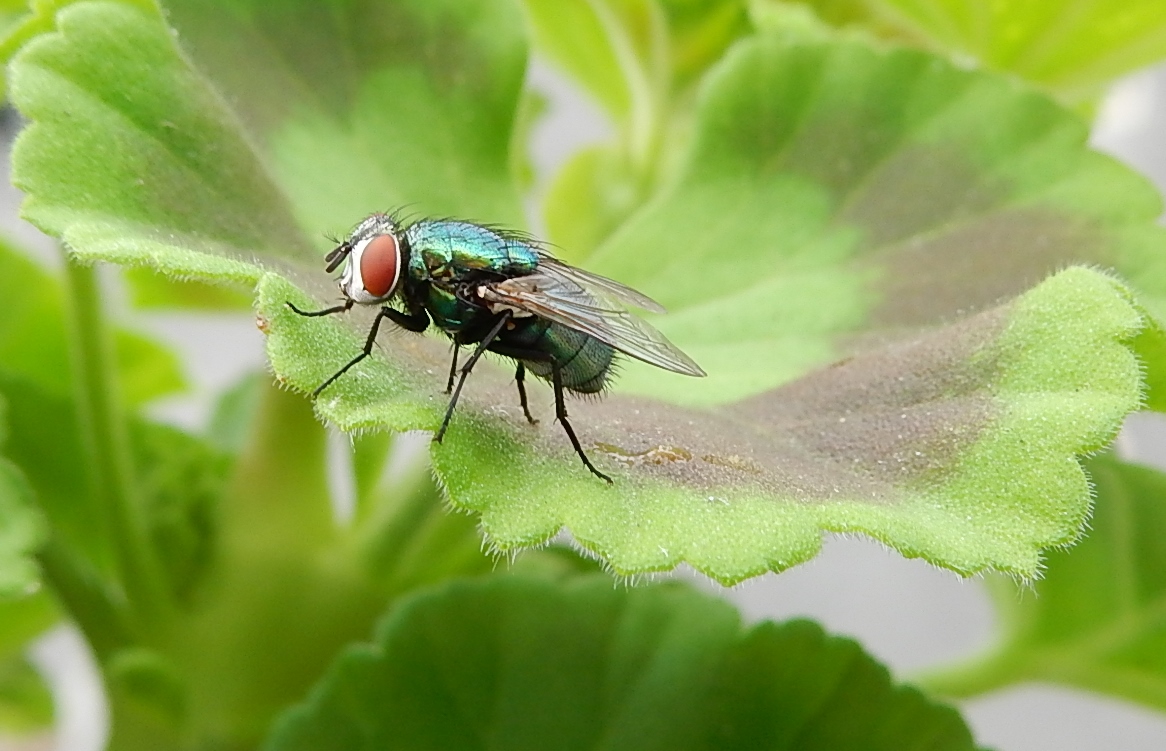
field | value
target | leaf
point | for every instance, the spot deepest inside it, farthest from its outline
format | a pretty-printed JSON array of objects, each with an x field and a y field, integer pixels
[
  {"x": 639, "y": 60},
  {"x": 837, "y": 196},
  {"x": 22, "y": 531},
  {"x": 25, "y": 701},
  {"x": 1097, "y": 618},
  {"x": 152, "y": 169},
  {"x": 154, "y": 291},
  {"x": 508, "y": 662},
  {"x": 234, "y": 414},
  {"x": 591, "y": 195},
  {"x": 637, "y": 54},
  {"x": 362, "y": 106},
  {"x": 855, "y": 166},
  {"x": 616, "y": 51},
  {"x": 955, "y": 446},
  {"x": 183, "y": 479},
  {"x": 178, "y": 477},
  {"x": 1073, "y": 47},
  {"x": 34, "y": 342}
]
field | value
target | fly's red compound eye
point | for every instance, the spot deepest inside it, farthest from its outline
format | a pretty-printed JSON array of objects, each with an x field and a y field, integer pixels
[{"x": 380, "y": 265}]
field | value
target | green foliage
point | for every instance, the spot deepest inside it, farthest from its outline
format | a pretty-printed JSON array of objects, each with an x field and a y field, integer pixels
[
  {"x": 1073, "y": 48},
  {"x": 984, "y": 395},
  {"x": 25, "y": 703},
  {"x": 1096, "y": 619},
  {"x": 22, "y": 532},
  {"x": 419, "y": 114},
  {"x": 907, "y": 280},
  {"x": 523, "y": 664}
]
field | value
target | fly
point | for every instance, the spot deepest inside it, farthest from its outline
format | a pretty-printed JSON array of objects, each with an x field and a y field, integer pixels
[{"x": 501, "y": 292}]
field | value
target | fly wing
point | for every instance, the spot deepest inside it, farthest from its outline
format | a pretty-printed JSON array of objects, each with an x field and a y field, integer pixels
[
  {"x": 564, "y": 299},
  {"x": 552, "y": 266}
]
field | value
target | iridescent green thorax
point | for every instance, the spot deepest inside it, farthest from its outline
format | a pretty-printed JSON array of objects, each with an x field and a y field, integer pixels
[
  {"x": 450, "y": 252},
  {"x": 449, "y": 258}
]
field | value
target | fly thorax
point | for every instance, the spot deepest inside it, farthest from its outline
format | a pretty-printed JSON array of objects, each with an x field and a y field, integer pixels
[{"x": 437, "y": 265}]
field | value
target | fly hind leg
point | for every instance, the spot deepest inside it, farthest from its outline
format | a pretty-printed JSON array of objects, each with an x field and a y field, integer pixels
[
  {"x": 560, "y": 402},
  {"x": 561, "y": 414},
  {"x": 520, "y": 381},
  {"x": 452, "y": 369}
]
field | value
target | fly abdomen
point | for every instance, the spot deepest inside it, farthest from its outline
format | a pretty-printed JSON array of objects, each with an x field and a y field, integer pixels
[{"x": 584, "y": 361}]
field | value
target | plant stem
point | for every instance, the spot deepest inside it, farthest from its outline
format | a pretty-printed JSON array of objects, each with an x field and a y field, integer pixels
[
  {"x": 106, "y": 444},
  {"x": 972, "y": 677},
  {"x": 88, "y": 600}
]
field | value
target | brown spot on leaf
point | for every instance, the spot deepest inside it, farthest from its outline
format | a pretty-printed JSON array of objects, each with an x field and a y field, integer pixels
[
  {"x": 654, "y": 455},
  {"x": 867, "y": 427},
  {"x": 976, "y": 263}
]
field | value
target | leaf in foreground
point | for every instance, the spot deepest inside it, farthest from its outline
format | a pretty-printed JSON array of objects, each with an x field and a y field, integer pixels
[
  {"x": 957, "y": 446},
  {"x": 516, "y": 663},
  {"x": 1097, "y": 618}
]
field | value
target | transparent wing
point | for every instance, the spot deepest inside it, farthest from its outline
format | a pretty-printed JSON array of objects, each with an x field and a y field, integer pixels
[
  {"x": 567, "y": 296},
  {"x": 552, "y": 266}
]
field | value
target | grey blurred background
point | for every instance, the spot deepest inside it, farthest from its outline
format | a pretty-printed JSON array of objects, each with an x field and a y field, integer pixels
[{"x": 907, "y": 613}]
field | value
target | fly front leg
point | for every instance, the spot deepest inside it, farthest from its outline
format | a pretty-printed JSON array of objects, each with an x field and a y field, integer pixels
[
  {"x": 416, "y": 322},
  {"x": 347, "y": 306},
  {"x": 457, "y": 392}
]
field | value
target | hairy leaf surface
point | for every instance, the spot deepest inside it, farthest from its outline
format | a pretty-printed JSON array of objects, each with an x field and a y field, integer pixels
[{"x": 1097, "y": 617}]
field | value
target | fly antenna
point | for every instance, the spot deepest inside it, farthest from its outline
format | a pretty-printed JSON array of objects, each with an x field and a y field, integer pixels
[{"x": 337, "y": 256}]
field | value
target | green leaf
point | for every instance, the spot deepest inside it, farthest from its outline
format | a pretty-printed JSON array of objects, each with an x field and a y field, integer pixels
[
  {"x": 837, "y": 196},
  {"x": 955, "y": 446},
  {"x": 234, "y": 414},
  {"x": 637, "y": 54},
  {"x": 514, "y": 663},
  {"x": 1073, "y": 48},
  {"x": 361, "y": 106},
  {"x": 24, "y": 619},
  {"x": 183, "y": 479},
  {"x": 25, "y": 702},
  {"x": 639, "y": 60},
  {"x": 34, "y": 341},
  {"x": 591, "y": 195},
  {"x": 149, "y": 289},
  {"x": 152, "y": 169},
  {"x": 616, "y": 51},
  {"x": 178, "y": 477},
  {"x": 1097, "y": 618},
  {"x": 22, "y": 531}
]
